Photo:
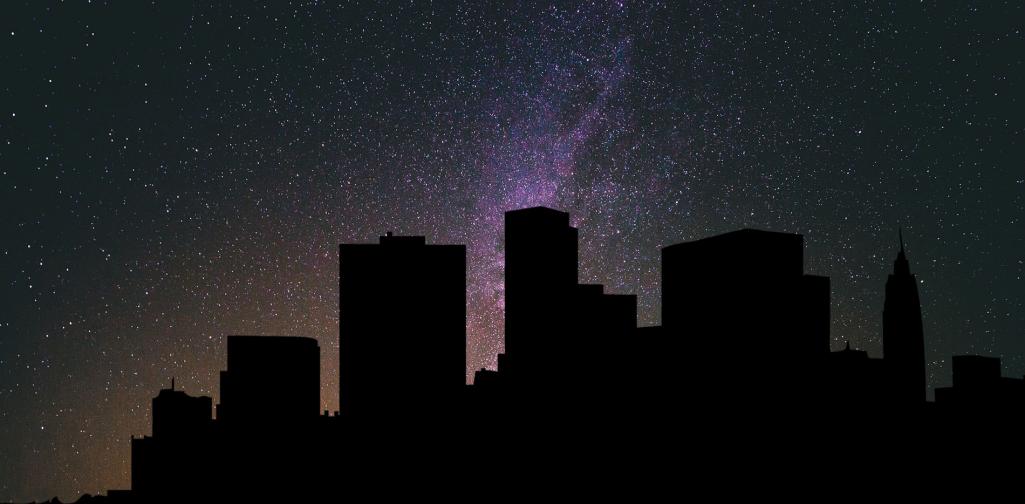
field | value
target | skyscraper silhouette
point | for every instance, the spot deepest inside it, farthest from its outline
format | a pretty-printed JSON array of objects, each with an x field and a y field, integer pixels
[
  {"x": 568, "y": 345},
  {"x": 903, "y": 339},
  {"x": 402, "y": 328},
  {"x": 744, "y": 307},
  {"x": 540, "y": 285}
]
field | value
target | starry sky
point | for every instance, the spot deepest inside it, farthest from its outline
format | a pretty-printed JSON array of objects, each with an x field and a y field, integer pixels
[{"x": 174, "y": 172}]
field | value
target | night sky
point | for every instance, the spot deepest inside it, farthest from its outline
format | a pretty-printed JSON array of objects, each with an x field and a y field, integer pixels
[{"x": 171, "y": 173}]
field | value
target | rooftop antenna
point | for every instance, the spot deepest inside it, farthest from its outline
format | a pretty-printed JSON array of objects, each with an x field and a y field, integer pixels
[
  {"x": 172, "y": 384},
  {"x": 900, "y": 234}
]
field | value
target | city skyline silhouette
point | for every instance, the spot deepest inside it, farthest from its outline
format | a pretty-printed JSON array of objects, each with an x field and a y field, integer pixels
[{"x": 735, "y": 306}]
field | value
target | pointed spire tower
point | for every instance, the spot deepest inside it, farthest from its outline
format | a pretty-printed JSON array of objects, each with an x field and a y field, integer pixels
[{"x": 903, "y": 338}]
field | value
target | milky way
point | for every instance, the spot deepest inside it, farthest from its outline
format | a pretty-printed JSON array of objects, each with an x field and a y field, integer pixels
[{"x": 172, "y": 174}]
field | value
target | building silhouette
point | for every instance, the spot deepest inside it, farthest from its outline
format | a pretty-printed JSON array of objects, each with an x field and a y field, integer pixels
[
  {"x": 566, "y": 343},
  {"x": 602, "y": 374},
  {"x": 743, "y": 306},
  {"x": 540, "y": 279},
  {"x": 402, "y": 328},
  {"x": 267, "y": 430},
  {"x": 903, "y": 338},
  {"x": 980, "y": 388},
  {"x": 175, "y": 462},
  {"x": 270, "y": 380}
]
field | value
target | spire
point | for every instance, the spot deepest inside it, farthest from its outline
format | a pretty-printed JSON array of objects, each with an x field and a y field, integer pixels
[{"x": 901, "y": 266}]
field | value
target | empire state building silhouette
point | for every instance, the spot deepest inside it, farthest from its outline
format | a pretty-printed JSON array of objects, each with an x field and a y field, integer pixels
[{"x": 903, "y": 339}]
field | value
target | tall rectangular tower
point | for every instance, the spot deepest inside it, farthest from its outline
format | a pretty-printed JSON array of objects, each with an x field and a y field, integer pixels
[
  {"x": 402, "y": 327},
  {"x": 540, "y": 285}
]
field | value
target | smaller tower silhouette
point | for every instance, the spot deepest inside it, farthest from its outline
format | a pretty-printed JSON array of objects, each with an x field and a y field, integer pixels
[
  {"x": 174, "y": 463},
  {"x": 903, "y": 338}
]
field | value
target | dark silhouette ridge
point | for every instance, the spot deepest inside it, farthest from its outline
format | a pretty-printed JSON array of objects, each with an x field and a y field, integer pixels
[{"x": 738, "y": 384}]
